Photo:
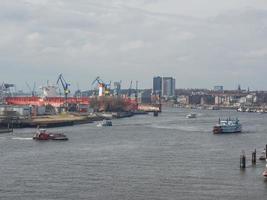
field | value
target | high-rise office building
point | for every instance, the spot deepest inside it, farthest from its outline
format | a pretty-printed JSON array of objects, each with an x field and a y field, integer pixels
[
  {"x": 168, "y": 86},
  {"x": 157, "y": 85}
]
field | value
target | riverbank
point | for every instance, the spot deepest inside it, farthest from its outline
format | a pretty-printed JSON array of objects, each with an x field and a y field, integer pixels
[{"x": 64, "y": 119}]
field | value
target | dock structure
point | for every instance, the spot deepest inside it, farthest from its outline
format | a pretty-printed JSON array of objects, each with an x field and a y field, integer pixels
[
  {"x": 243, "y": 160},
  {"x": 150, "y": 107},
  {"x": 6, "y": 128},
  {"x": 254, "y": 157}
]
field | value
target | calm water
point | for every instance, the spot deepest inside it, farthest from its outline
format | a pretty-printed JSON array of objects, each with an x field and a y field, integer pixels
[{"x": 143, "y": 157}]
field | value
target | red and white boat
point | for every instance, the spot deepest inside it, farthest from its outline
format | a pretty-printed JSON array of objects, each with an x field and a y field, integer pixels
[
  {"x": 265, "y": 173},
  {"x": 42, "y": 134}
]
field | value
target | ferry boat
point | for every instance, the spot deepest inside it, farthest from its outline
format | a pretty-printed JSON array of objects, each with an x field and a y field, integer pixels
[
  {"x": 227, "y": 126},
  {"x": 105, "y": 122},
  {"x": 191, "y": 115},
  {"x": 42, "y": 134}
]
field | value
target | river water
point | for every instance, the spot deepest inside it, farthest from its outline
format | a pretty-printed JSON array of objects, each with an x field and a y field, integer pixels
[{"x": 142, "y": 157}]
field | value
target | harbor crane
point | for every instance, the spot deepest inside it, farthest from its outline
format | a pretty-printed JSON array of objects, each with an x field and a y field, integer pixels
[
  {"x": 136, "y": 90},
  {"x": 64, "y": 84},
  {"x": 104, "y": 88},
  {"x": 130, "y": 90}
]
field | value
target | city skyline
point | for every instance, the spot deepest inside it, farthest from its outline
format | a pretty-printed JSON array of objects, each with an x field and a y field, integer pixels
[{"x": 199, "y": 44}]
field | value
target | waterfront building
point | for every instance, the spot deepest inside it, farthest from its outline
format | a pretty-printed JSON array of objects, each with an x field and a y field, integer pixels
[
  {"x": 207, "y": 100},
  {"x": 218, "y": 88},
  {"x": 183, "y": 99},
  {"x": 157, "y": 85},
  {"x": 194, "y": 99},
  {"x": 168, "y": 86}
]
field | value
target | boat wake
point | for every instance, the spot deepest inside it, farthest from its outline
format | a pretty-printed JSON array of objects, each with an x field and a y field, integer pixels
[
  {"x": 175, "y": 127},
  {"x": 21, "y": 138}
]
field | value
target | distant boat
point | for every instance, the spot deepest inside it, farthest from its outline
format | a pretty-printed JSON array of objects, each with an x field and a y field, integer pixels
[
  {"x": 265, "y": 173},
  {"x": 241, "y": 109},
  {"x": 227, "y": 126},
  {"x": 191, "y": 115},
  {"x": 104, "y": 123}
]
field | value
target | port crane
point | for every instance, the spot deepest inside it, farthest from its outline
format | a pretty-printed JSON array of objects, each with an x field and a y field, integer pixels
[
  {"x": 64, "y": 84},
  {"x": 104, "y": 88},
  {"x": 130, "y": 90},
  {"x": 5, "y": 90}
]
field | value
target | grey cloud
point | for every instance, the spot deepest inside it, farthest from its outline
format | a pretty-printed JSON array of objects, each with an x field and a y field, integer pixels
[{"x": 119, "y": 40}]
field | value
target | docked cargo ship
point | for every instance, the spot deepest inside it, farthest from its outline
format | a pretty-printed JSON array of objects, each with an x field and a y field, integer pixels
[{"x": 227, "y": 126}]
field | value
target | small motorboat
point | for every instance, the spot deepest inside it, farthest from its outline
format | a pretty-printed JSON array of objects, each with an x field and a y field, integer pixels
[
  {"x": 105, "y": 123},
  {"x": 191, "y": 115},
  {"x": 42, "y": 134}
]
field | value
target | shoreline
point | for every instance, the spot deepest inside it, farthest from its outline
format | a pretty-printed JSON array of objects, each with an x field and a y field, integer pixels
[{"x": 65, "y": 119}]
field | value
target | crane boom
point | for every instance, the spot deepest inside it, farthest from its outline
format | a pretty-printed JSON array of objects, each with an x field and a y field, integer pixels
[
  {"x": 64, "y": 84},
  {"x": 104, "y": 88}
]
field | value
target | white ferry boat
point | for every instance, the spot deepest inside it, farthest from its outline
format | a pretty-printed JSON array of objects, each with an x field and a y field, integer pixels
[{"x": 227, "y": 126}]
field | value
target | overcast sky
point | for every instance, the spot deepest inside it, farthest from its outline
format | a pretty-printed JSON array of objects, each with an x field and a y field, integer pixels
[{"x": 201, "y": 43}]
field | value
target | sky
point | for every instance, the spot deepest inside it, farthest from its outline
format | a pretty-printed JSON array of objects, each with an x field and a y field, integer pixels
[{"x": 199, "y": 43}]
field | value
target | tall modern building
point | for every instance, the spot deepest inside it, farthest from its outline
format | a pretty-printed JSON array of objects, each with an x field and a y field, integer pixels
[
  {"x": 164, "y": 86},
  {"x": 157, "y": 85},
  {"x": 168, "y": 86}
]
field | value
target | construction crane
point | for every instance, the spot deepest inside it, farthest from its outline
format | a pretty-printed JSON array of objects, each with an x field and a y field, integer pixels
[
  {"x": 64, "y": 84},
  {"x": 136, "y": 91},
  {"x": 104, "y": 89}
]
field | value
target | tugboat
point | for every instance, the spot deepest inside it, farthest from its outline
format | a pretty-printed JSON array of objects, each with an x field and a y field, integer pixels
[
  {"x": 105, "y": 122},
  {"x": 42, "y": 134},
  {"x": 227, "y": 126}
]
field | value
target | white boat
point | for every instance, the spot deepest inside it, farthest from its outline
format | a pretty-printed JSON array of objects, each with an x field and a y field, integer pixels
[
  {"x": 241, "y": 109},
  {"x": 263, "y": 155},
  {"x": 227, "y": 126},
  {"x": 191, "y": 115},
  {"x": 104, "y": 123}
]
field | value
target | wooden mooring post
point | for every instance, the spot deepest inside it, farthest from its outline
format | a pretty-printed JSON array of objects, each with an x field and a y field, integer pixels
[
  {"x": 254, "y": 157},
  {"x": 243, "y": 160}
]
